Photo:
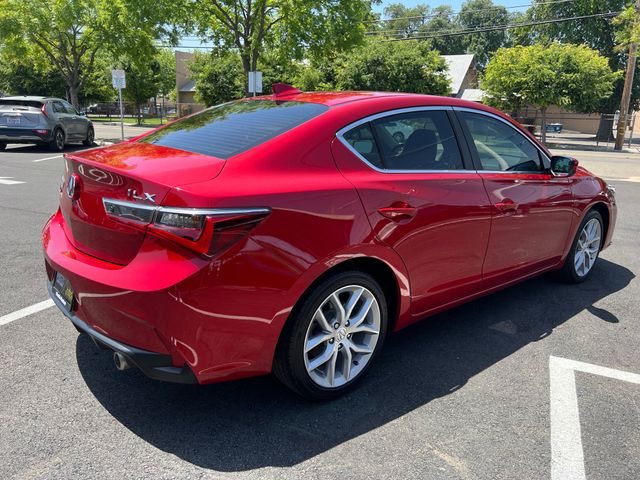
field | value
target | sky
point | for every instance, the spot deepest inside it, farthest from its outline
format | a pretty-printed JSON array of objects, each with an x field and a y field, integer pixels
[
  {"x": 189, "y": 43},
  {"x": 456, "y": 4}
]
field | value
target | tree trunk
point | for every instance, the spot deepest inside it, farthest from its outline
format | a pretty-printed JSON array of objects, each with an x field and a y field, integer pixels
[
  {"x": 246, "y": 66},
  {"x": 544, "y": 125},
  {"x": 73, "y": 95},
  {"x": 605, "y": 128}
]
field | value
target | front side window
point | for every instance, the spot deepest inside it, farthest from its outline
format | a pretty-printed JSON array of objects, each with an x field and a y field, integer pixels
[
  {"x": 415, "y": 141},
  {"x": 233, "y": 128},
  {"x": 501, "y": 147}
]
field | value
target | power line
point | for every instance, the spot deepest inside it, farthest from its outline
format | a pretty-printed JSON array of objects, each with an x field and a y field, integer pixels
[
  {"x": 453, "y": 14},
  {"x": 503, "y": 27}
]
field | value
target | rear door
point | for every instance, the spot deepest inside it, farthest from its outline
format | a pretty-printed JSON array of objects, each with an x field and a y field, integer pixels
[
  {"x": 63, "y": 118},
  {"x": 77, "y": 123},
  {"x": 422, "y": 197},
  {"x": 532, "y": 209}
]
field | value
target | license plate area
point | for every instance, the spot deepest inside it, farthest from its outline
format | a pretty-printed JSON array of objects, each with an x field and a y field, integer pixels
[
  {"x": 63, "y": 291},
  {"x": 13, "y": 120}
]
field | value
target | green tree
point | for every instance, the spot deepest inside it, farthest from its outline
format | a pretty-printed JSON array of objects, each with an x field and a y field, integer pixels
[
  {"x": 575, "y": 77},
  {"x": 218, "y": 76},
  {"x": 402, "y": 21},
  {"x": 142, "y": 83},
  {"x": 598, "y": 33},
  {"x": 441, "y": 22},
  {"x": 296, "y": 28},
  {"x": 394, "y": 67},
  {"x": 478, "y": 14},
  {"x": 70, "y": 34}
]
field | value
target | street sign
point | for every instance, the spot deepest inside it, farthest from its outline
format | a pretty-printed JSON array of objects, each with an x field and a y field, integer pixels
[
  {"x": 118, "y": 79},
  {"x": 119, "y": 82},
  {"x": 255, "y": 82}
]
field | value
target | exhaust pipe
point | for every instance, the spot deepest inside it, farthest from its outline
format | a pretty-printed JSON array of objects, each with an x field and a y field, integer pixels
[{"x": 121, "y": 361}]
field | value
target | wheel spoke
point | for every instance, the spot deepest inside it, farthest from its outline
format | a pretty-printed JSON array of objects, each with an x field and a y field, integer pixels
[
  {"x": 347, "y": 360},
  {"x": 364, "y": 328},
  {"x": 321, "y": 359},
  {"x": 315, "y": 341},
  {"x": 353, "y": 300},
  {"x": 331, "y": 368},
  {"x": 362, "y": 314},
  {"x": 355, "y": 348},
  {"x": 341, "y": 314},
  {"x": 322, "y": 321}
]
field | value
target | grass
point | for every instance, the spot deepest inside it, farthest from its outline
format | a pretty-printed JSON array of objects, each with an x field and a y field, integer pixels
[{"x": 154, "y": 121}]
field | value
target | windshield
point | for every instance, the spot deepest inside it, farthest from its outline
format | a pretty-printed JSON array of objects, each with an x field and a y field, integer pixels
[{"x": 233, "y": 128}]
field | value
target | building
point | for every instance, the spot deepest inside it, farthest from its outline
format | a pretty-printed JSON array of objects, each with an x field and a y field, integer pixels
[
  {"x": 185, "y": 87},
  {"x": 462, "y": 72}
]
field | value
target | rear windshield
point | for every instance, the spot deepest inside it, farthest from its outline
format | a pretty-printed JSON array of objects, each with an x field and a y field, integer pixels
[
  {"x": 21, "y": 103},
  {"x": 232, "y": 128}
]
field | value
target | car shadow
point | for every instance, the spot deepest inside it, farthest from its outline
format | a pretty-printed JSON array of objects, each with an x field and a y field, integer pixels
[
  {"x": 255, "y": 423},
  {"x": 35, "y": 148}
]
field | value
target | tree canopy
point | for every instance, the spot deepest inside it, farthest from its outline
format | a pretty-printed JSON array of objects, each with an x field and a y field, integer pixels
[
  {"x": 288, "y": 28},
  {"x": 70, "y": 34},
  {"x": 573, "y": 76}
]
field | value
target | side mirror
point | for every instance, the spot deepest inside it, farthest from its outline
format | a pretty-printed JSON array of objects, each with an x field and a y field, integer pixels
[
  {"x": 82, "y": 114},
  {"x": 563, "y": 166}
]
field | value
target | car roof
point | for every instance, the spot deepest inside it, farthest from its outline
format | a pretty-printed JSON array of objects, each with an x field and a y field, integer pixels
[
  {"x": 331, "y": 99},
  {"x": 29, "y": 97}
]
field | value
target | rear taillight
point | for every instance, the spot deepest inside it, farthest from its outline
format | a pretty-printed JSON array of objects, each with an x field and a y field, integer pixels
[
  {"x": 44, "y": 110},
  {"x": 205, "y": 231}
]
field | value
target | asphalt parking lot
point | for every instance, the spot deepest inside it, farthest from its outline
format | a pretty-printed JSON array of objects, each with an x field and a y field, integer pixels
[{"x": 541, "y": 380}]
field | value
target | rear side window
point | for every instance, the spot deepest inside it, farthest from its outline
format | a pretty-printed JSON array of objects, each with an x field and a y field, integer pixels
[
  {"x": 501, "y": 147},
  {"x": 20, "y": 103},
  {"x": 58, "y": 107},
  {"x": 233, "y": 128},
  {"x": 418, "y": 141}
]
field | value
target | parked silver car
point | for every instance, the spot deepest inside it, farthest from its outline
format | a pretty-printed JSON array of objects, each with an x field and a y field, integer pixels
[{"x": 42, "y": 120}]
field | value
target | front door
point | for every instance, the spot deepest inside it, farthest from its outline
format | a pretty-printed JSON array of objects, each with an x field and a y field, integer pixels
[{"x": 532, "y": 209}]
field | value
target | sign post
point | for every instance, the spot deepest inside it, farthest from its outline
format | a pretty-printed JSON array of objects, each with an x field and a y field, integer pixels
[
  {"x": 118, "y": 80},
  {"x": 255, "y": 82}
]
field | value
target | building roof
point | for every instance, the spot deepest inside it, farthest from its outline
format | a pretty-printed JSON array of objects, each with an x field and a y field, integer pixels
[
  {"x": 459, "y": 66},
  {"x": 190, "y": 86},
  {"x": 472, "y": 94}
]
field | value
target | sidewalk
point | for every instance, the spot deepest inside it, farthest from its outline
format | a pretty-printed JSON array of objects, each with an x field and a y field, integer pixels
[
  {"x": 586, "y": 142},
  {"x": 108, "y": 133}
]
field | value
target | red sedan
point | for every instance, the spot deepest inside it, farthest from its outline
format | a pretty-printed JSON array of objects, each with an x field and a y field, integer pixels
[{"x": 290, "y": 233}]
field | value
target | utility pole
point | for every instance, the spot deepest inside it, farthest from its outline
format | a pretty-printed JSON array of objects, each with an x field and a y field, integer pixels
[{"x": 626, "y": 92}]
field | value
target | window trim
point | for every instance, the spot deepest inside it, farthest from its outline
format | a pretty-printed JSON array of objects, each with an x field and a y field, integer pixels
[
  {"x": 474, "y": 152},
  {"x": 340, "y": 136}
]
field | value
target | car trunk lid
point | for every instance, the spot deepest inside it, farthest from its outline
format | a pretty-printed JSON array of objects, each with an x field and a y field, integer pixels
[{"x": 137, "y": 172}]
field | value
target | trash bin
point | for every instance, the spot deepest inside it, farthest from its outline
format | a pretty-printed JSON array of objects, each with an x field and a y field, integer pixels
[{"x": 554, "y": 127}]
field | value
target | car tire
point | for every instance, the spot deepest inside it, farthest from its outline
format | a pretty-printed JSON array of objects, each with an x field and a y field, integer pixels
[
  {"x": 585, "y": 249},
  {"x": 2, "y": 146},
  {"x": 341, "y": 346},
  {"x": 57, "y": 142},
  {"x": 89, "y": 141}
]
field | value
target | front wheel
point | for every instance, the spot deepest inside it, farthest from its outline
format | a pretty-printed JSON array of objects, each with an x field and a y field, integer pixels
[
  {"x": 585, "y": 249},
  {"x": 88, "y": 141},
  {"x": 334, "y": 336}
]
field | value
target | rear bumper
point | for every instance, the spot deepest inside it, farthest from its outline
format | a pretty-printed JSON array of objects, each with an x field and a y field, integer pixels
[
  {"x": 154, "y": 365},
  {"x": 23, "y": 135}
]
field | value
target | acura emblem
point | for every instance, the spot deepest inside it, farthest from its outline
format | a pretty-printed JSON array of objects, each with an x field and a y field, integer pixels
[{"x": 73, "y": 186}]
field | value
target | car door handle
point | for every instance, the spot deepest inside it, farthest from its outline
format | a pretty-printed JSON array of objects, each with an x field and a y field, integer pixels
[
  {"x": 507, "y": 205},
  {"x": 398, "y": 212}
]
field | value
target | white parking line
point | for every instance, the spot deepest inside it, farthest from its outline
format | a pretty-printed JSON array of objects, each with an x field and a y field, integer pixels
[
  {"x": 46, "y": 158},
  {"x": 24, "y": 312},
  {"x": 567, "y": 455}
]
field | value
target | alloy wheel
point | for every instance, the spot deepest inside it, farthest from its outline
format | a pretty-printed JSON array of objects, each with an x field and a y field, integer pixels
[
  {"x": 587, "y": 247},
  {"x": 342, "y": 336},
  {"x": 59, "y": 140}
]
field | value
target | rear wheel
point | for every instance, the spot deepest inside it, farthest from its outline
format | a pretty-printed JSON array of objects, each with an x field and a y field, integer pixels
[
  {"x": 87, "y": 142},
  {"x": 334, "y": 336},
  {"x": 585, "y": 249},
  {"x": 57, "y": 142}
]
